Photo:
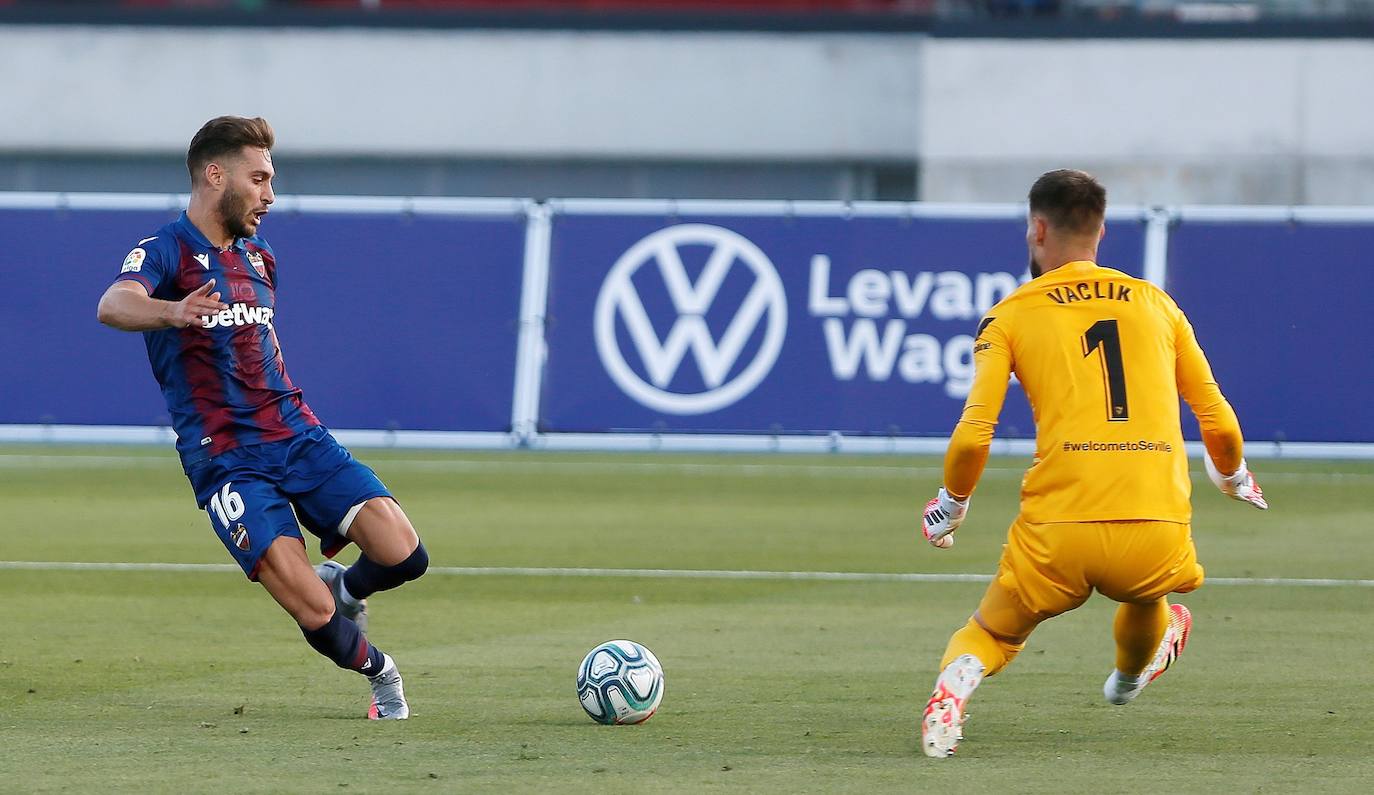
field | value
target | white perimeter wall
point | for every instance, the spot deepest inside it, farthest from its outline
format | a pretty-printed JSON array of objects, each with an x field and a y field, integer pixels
[
  {"x": 1231, "y": 121},
  {"x": 465, "y": 92},
  {"x": 1162, "y": 121}
]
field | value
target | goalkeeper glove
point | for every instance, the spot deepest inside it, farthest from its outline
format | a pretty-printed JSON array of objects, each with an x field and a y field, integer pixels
[
  {"x": 1239, "y": 485},
  {"x": 942, "y": 517}
]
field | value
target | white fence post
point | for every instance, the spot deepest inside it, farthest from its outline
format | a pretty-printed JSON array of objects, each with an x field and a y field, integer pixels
[
  {"x": 1156, "y": 257},
  {"x": 530, "y": 346}
]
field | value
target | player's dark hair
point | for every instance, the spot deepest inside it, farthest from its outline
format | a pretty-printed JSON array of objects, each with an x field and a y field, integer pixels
[
  {"x": 226, "y": 135},
  {"x": 1070, "y": 200}
]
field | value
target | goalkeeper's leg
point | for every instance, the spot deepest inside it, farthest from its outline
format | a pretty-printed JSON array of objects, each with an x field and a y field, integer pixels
[
  {"x": 1138, "y": 629},
  {"x": 1136, "y": 626},
  {"x": 996, "y": 632},
  {"x": 990, "y": 640},
  {"x": 1149, "y": 561},
  {"x": 1040, "y": 575}
]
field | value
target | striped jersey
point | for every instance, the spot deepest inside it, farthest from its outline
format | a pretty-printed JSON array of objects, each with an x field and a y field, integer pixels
[{"x": 223, "y": 380}]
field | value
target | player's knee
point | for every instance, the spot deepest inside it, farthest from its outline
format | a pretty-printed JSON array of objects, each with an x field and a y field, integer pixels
[
  {"x": 381, "y": 529},
  {"x": 314, "y": 611},
  {"x": 993, "y": 650},
  {"x": 413, "y": 567},
  {"x": 1009, "y": 650},
  {"x": 312, "y": 607},
  {"x": 1007, "y": 647}
]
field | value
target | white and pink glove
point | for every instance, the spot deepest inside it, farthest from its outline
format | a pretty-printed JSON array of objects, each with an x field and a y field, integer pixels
[
  {"x": 1239, "y": 485},
  {"x": 942, "y": 517}
]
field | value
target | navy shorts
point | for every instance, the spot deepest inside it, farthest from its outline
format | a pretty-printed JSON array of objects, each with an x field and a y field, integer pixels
[{"x": 256, "y": 493}]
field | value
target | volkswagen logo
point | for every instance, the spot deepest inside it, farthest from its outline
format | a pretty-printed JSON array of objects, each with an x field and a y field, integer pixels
[{"x": 764, "y": 304}]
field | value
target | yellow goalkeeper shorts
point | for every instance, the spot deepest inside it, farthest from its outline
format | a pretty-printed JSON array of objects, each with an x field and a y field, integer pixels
[{"x": 1054, "y": 567}]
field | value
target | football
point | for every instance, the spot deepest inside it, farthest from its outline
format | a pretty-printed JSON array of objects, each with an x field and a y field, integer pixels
[{"x": 620, "y": 682}]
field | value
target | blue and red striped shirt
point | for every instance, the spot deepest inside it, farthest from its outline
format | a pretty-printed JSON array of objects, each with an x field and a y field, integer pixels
[{"x": 223, "y": 380}]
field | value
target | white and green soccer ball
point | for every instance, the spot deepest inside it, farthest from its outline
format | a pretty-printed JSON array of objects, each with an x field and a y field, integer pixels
[{"x": 621, "y": 682}]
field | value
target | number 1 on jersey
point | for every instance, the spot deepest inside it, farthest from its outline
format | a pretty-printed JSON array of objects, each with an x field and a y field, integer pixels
[{"x": 1105, "y": 334}]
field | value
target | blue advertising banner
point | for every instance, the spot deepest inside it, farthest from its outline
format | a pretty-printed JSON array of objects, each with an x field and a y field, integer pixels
[
  {"x": 386, "y": 320},
  {"x": 399, "y": 321},
  {"x": 58, "y": 364},
  {"x": 774, "y": 324},
  {"x": 1281, "y": 311}
]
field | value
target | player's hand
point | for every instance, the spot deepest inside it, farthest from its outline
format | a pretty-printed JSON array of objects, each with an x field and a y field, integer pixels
[
  {"x": 1239, "y": 485},
  {"x": 188, "y": 311},
  {"x": 941, "y": 518}
]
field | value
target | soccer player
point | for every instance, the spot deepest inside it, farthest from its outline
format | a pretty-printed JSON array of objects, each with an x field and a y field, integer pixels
[
  {"x": 1105, "y": 506},
  {"x": 202, "y": 289}
]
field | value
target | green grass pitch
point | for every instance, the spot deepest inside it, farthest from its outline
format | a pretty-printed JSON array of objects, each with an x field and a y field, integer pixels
[{"x": 190, "y": 681}]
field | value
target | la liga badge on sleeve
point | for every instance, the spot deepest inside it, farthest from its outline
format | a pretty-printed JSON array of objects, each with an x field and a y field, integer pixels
[{"x": 134, "y": 262}]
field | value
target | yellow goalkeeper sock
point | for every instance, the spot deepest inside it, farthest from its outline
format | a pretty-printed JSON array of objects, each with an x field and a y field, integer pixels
[
  {"x": 992, "y": 652},
  {"x": 1138, "y": 629}
]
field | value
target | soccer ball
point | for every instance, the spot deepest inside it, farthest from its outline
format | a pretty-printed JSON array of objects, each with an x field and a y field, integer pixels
[{"x": 620, "y": 681}]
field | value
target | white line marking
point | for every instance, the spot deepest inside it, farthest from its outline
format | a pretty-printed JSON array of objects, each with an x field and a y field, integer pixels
[
  {"x": 72, "y": 565},
  {"x": 533, "y": 466},
  {"x": 479, "y": 466},
  {"x": 1304, "y": 582},
  {"x": 14, "y": 461},
  {"x": 666, "y": 468},
  {"x": 658, "y": 574},
  {"x": 643, "y": 442}
]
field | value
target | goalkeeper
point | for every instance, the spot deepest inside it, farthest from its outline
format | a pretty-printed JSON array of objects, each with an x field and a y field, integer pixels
[{"x": 1105, "y": 506}]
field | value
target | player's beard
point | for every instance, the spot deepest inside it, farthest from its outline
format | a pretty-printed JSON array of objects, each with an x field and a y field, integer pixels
[
  {"x": 233, "y": 210},
  {"x": 1035, "y": 269}
]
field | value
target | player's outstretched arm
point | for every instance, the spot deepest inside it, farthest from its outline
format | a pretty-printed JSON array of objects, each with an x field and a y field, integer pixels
[
  {"x": 969, "y": 444},
  {"x": 127, "y": 306},
  {"x": 1216, "y": 419}
]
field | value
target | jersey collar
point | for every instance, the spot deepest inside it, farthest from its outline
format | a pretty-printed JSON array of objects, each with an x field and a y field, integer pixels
[
  {"x": 1078, "y": 265},
  {"x": 189, "y": 229}
]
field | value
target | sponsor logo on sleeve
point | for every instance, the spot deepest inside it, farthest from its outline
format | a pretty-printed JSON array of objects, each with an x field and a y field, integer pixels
[{"x": 134, "y": 262}]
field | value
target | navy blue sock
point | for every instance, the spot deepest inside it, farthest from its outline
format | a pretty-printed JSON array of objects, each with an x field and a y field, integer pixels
[
  {"x": 367, "y": 577},
  {"x": 341, "y": 641}
]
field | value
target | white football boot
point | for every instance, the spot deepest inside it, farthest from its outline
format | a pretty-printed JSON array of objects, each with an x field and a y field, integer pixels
[
  {"x": 332, "y": 573},
  {"x": 388, "y": 696},
  {"x": 1119, "y": 691},
  {"x": 942, "y": 724}
]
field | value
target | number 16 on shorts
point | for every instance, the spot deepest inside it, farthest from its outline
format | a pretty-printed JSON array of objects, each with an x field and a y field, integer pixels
[
  {"x": 247, "y": 514},
  {"x": 227, "y": 507}
]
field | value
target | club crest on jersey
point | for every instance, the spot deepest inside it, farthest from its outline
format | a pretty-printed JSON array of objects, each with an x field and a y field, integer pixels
[
  {"x": 239, "y": 535},
  {"x": 204, "y": 260},
  {"x": 255, "y": 259},
  {"x": 134, "y": 262}
]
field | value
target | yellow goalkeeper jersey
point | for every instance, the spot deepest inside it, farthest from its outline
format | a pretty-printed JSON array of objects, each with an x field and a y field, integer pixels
[{"x": 1103, "y": 358}]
